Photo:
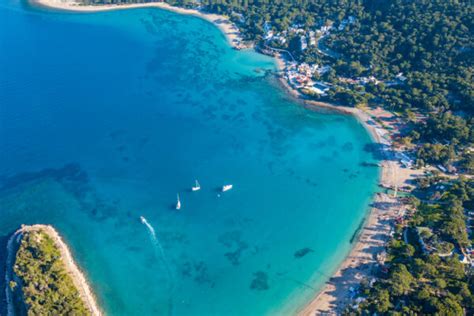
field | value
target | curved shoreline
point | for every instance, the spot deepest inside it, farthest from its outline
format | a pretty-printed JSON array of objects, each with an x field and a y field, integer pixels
[
  {"x": 334, "y": 294},
  {"x": 230, "y": 31},
  {"x": 375, "y": 232},
  {"x": 76, "y": 275}
]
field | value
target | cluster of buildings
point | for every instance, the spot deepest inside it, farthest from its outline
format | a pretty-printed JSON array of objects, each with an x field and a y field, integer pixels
[
  {"x": 399, "y": 79},
  {"x": 359, "y": 80},
  {"x": 270, "y": 35},
  {"x": 430, "y": 244},
  {"x": 307, "y": 38},
  {"x": 345, "y": 22},
  {"x": 468, "y": 253},
  {"x": 300, "y": 77}
]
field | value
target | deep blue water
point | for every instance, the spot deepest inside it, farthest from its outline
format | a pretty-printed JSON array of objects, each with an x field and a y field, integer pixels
[{"x": 105, "y": 117}]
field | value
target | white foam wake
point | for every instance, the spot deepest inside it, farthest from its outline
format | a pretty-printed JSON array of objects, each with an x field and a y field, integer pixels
[
  {"x": 150, "y": 228},
  {"x": 156, "y": 242}
]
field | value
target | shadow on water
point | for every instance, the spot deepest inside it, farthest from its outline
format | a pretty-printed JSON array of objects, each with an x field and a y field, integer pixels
[
  {"x": 380, "y": 151},
  {"x": 357, "y": 232}
]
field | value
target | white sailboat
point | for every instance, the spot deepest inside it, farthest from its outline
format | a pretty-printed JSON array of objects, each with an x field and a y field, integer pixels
[
  {"x": 226, "y": 187},
  {"x": 178, "y": 203},
  {"x": 196, "y": 187}
]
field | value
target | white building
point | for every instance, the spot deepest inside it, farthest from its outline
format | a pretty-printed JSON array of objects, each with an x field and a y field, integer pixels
[
  {"x": 312, "y": 38},
  {"x": 322, "y": 70},
  {"x": 304, "y": 43},
  {"x": 401, "y": 77},
  {"x": 269, "y": 35}
]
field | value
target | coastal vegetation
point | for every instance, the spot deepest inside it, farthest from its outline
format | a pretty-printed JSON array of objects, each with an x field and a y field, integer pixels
[
  {"x": 426, "y": 271},
  {"x": 414, "y": 58},
  {"x": 42, "y": 284}
]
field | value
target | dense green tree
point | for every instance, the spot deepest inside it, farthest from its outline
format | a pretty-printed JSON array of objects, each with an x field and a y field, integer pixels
[
  {"x": 401, "y": 280},
  {"x": 46, "y": 287}
]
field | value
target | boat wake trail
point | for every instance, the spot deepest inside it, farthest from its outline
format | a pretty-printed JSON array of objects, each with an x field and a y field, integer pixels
[
  {"x": 153, "y": 237},
  {"x": 161, "y": 253}
]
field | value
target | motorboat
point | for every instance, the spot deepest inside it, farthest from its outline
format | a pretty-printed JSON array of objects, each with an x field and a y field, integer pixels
[{"x": 226, "y": 187}]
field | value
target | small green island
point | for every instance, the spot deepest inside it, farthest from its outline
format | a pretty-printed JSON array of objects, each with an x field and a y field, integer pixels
[{"x": 42, "y": 278}]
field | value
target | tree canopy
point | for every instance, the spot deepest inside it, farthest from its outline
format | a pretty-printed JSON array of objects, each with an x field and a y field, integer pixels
[{"x": 45, "y": 285}]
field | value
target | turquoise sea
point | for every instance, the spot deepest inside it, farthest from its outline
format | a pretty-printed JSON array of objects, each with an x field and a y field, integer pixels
[{"x": 105, "y": 117}]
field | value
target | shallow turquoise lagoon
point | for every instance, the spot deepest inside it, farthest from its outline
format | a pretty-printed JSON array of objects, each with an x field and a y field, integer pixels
[{"x": 106, "y": 117}]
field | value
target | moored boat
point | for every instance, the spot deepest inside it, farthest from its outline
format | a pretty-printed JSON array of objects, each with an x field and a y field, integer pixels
[
  {"x": 178, "y": 203},
  {"x": 226, "y": 187},
  {"x": 196, "y": 187}
]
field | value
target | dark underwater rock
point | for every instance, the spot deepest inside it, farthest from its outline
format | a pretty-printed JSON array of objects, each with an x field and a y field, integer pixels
[
  {"x": 260, "y": 281},
  {"x": 302, "y": 252}
]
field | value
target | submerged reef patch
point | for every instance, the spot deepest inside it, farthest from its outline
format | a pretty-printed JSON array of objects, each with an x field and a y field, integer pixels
[
  {"x": 69, "y": 173},
  {"x": 233, "y": 239},
  {"x": 198, "y": 271},
  {"x": 234, "y": 256},
  {"x": 73, "y": 180},
  {"x": 348, "y": 146},
  {"x": 260, "y": 281},
  {"x": 302, "y": 252}
]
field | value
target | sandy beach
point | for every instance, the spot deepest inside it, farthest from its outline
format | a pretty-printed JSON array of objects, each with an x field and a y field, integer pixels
[
  {"x": 74, "y": 271},
  {"x": 228, "y": 28},
  {"x": 372, "y": 237}
]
